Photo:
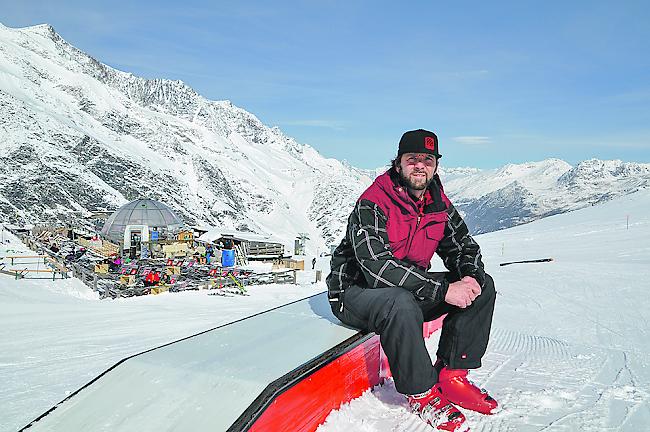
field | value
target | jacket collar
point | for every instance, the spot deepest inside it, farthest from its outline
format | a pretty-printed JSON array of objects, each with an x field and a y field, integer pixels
[{"x": 391, "y": 184}]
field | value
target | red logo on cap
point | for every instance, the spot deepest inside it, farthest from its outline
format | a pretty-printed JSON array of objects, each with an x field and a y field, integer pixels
[{"x": 430, "y": 143}]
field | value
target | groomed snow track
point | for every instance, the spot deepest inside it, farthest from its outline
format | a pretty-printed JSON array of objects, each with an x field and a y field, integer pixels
[{"x": 282, "y": 369}]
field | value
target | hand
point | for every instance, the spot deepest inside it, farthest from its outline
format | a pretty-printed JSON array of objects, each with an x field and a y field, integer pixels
[
  {"x": 476, "y": 287},
  {"x": 463, "y": 292}
]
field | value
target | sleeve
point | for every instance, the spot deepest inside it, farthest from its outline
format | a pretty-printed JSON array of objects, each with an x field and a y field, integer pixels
[
  {"x": 458, "y": 250},
  {"x": 380, "y": 268}
]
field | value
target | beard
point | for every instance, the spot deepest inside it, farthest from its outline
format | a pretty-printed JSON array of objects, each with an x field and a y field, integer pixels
[{"x": 418, "y": 183}]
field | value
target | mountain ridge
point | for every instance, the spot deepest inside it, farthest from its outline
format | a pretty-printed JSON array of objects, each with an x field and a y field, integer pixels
[
  {"x": 518, "y": 193},
  {"x": 81, "y": 135}
]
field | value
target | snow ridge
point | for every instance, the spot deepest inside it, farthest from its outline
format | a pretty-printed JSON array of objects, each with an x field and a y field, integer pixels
[
  {"x": 520, "y": 193},
  {"x": 79, "y": 135}
]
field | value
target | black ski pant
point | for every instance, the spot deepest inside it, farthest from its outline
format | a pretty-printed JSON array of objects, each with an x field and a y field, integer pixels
[{"x": 397, "y": 317}]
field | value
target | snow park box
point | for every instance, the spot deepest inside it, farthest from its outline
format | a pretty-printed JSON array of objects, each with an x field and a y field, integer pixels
[{"x": 280, "y": 370}]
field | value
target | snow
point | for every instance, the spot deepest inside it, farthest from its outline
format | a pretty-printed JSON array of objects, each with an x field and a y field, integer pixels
[
  {"x": 515, "y": 194},
  {"x": 169, "y": 387},
  {"x": 102, "y": 135},
  {"x": 55, "y": 336},
  {"x": 538, "y": 176},
  {"x": 214, "y": 234},
  {"x": 569, "y": 346},
  {"x": 570, "y": 340}
]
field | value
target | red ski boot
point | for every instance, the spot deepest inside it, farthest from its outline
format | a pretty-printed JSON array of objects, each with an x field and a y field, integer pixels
[
  {"x": 456, "y": 387},
  {"x": 437, "y": 411}
]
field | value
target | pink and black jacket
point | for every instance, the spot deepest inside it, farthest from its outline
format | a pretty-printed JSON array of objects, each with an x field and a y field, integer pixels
[{"x": 390, "y": 241}]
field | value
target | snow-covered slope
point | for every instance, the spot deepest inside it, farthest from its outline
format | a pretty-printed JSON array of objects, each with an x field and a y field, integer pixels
[
  {"x": 56, "y": 336},
  {"x": 569, "y": 350},
  {"x": 570, "y": 342},
  {"x": 516, "y": 194},
  {"x": 77, "y": 135}
]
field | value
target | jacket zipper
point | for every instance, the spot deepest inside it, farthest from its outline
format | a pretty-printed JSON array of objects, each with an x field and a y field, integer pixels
[{"x": 412, "y": 236}]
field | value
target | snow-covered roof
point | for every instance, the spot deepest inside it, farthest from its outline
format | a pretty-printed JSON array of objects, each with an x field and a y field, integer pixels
[
  {"x": 25, "y": 227},
  {"x": 215, "y": 234}
]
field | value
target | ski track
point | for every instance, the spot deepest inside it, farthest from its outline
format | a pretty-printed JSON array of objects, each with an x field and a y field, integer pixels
[
  {"x": 509, "y": 341},
  {"x": 558, "y": 374},
  {"x": 545, "y": 384}
]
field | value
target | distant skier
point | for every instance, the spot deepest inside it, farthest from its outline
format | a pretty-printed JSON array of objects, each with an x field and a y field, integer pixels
[
  {"x": 209, "y": 252},
  {"x": 379, "y": 282},
  {"x": 313, "y": 263},
  {"x": 114, "y": 262}
]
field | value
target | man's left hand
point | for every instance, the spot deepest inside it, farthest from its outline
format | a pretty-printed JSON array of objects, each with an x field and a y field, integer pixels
[{"x": 476, "y": 288}]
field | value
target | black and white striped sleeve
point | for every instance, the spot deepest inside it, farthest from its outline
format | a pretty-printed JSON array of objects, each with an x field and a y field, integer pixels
[{"x": 367, "y": 231}]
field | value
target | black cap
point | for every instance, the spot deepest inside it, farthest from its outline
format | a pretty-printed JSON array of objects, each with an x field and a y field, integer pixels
[{"x": 419, "y": 141}]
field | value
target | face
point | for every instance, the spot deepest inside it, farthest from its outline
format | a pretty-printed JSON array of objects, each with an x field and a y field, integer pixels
[{"x": 417, "y": 169}]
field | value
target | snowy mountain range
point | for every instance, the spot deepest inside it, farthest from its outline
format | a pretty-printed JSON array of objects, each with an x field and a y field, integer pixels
[
  {"x": 77, "y": 135},
  {"x": 516, "y": 194}
]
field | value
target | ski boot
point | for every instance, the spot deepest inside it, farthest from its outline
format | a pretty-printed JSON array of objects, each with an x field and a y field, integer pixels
[
  {"x": 437, "y": 411},
  {"x": 456, "y": 387}
]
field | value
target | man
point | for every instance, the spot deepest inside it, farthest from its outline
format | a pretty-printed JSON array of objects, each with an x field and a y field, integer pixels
[
  {"x": 209, "y": 251},
  {"x": 152, "y": 278},
  {"x": 379, "y": 282}
]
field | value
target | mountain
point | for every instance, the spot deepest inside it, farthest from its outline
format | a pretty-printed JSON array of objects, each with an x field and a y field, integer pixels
[
  {"x": 516, "y": 194},
  {"x": 78, "y": 135}
]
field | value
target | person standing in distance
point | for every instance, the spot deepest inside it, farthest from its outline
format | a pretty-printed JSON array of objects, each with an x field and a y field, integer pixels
[{"x": 379, "y": 282}]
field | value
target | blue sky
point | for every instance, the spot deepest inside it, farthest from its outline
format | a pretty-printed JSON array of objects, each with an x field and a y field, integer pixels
[{"x": 499, "y": 82}]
